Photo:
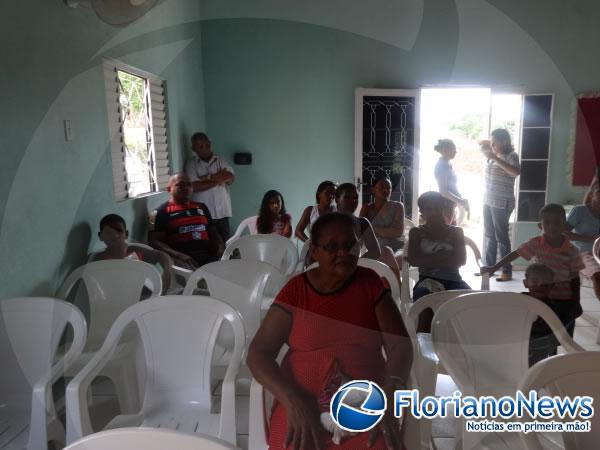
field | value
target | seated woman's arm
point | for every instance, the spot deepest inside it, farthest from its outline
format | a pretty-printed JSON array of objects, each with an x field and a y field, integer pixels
[
  {"x": 369, "y": 239},
  {"x": 397, "y": 228},
  {"x": 303, "y": 223},
  {"x": 287, "y": 229},
  {"x": 302, "y": 413}
]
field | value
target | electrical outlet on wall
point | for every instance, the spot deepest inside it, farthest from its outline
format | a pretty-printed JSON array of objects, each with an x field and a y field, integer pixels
[{"x": 68, "y": 131}]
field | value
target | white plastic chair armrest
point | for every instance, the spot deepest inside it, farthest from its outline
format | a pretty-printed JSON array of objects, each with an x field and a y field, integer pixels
[
  {"x": 257, "y": 423},
  {"x": 182, "y": 272},
  {"x": 78, "y": 417},
  {"x": 227, "y": 429}
]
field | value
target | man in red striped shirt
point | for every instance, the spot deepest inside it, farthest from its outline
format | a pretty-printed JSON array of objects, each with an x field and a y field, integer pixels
[{"x": 184, "y": 229}]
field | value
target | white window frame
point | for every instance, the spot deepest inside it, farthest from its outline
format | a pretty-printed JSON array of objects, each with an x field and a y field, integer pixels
[{"x": 158, "y": 124}]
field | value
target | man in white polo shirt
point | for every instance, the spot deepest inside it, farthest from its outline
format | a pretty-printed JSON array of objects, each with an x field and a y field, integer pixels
[{"x": 211, "y": 176}]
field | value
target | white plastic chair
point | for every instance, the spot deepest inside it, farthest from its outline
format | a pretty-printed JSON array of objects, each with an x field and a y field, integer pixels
[
  {"x": 426, "y": 366},
  {"x": 30, "y": 333},
  {"x": 242, "y": 285},
  {"x": 303, "y": 254},
  {"x": 383, "y": 271},
  {"x": 482, "y": 339},
  {"x": 112, "y": 286},
  {"x": 567, "y": 375},
  {"x": 248, "y": 222},
  {"x": 270, "y": 248},
  {"x": 148, "y": 439},
  {"x": 178, "y": 334}
]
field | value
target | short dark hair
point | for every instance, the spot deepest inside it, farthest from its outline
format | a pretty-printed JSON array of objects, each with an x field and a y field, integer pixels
[
  {"x": 344, "y": 188},
  {"x": 540, "y": 269},
  {"x": 112, "y": 218},
  {"x": 199, "y": 136},
  {"x": 552, "y": 209},
  {"x": 329, "y": 219},
  {"x": 430, "y": 197},
  {"x": 322, "y": 186},
  {"x": 448, "y": 205}
]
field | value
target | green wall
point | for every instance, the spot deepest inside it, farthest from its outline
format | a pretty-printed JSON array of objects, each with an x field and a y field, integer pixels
[
  {"x": 276, "y": 78},
  {"x": 53, "y": 192},
  {"x": 280, "y": 79}
]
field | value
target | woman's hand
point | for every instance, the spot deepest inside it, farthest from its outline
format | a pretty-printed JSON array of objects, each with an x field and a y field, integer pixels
[
  {"x": 303, "y": 424},
  {"x": 389, "y": 427}
]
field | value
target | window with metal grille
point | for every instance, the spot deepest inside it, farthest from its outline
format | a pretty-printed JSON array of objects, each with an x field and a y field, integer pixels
[{"x": 137, "y": 120}]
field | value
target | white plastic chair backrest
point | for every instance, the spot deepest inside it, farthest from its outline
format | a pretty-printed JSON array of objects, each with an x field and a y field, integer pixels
[
  {"x": 596, "y": 250},
  {"x": 239, "y": 283},
  {"x": 248, "y": 222},
  {"x": 112, "y": 285},
  {"x": 31, "y": 329},
  {"x": 432, "y": 301},
  {"x": 148, "y": 439},
  {"x": 178, "y": 334},
  {"x": 303, "y": 255},
  {"x": 384, "y": 272},
  {"x": 270, "y": 248},
  {"x": 482, "y": 339},
  {"x": 565, "y": 375},
  {"x": 405, "y": 289}
]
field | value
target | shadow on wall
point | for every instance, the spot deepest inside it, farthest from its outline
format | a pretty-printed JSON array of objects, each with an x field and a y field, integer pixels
[
  {"x": 138, "y": 228},
  {"x": 75, "y": 255}
]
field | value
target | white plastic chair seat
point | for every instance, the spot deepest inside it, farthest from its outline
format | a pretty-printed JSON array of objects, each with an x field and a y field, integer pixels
[
  {"x": 192, "y": 420},
  {"x": 149, "y": 439}
]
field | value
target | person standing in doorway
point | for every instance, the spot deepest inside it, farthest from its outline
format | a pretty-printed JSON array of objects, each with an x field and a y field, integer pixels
[
  {"x": 211, "y": 176},
  {"x": 501, "y": 170},
  {"x": 446, "y": 177}
]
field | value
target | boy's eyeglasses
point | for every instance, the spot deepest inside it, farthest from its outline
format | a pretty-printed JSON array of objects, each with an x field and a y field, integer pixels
[{"x": 346, "y": 247}]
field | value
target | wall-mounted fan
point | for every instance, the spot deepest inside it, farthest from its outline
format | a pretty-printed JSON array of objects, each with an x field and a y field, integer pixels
[{"x": 116, "y": 12}]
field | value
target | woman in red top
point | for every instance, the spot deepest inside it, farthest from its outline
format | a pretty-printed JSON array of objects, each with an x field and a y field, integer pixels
[
  {"x": 272, "y": 217},
  {"x": 335, "y": 319}
]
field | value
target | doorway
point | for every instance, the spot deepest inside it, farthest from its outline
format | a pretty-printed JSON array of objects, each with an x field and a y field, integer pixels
[{"x": 465, "y": 115}]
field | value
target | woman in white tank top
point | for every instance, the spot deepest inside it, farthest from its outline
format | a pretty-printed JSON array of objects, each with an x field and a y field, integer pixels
[{"x": 324, "y": 205}]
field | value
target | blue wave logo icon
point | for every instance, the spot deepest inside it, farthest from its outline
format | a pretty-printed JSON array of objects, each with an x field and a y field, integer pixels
[{"x": 358, "y": 405}]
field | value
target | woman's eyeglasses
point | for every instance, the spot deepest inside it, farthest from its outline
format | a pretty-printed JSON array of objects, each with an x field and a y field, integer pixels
[{"x": 346, "y": 247}]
